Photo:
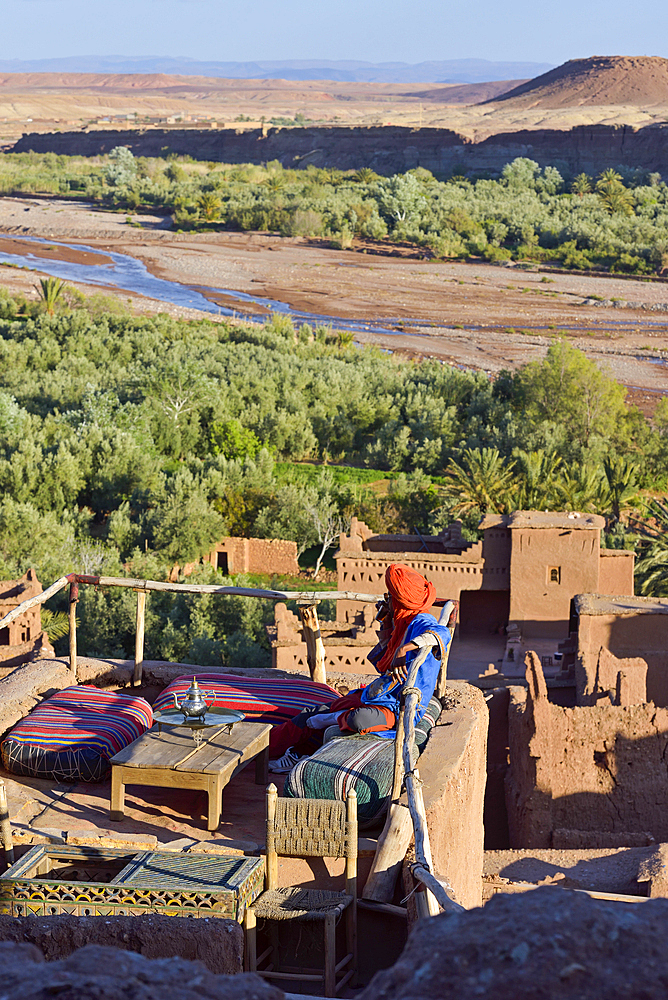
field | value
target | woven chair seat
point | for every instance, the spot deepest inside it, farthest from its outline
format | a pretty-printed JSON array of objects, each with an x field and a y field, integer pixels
[{"x": 293, "y": 903}]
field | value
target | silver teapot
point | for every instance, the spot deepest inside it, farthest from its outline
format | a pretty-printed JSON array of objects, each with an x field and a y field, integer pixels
[{"x": 194, "y": 705}]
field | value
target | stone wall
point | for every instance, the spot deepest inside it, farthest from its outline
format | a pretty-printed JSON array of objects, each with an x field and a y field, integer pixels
[
  {"x": 387, "y": 150},
  {"x": 589, "y": 776}
]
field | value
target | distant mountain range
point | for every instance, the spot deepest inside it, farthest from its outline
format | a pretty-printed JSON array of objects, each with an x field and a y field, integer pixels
[{"x": 448, "y": 71}]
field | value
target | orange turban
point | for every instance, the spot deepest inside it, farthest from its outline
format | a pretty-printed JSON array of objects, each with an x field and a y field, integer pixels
[{"x": 410, "y": 594}]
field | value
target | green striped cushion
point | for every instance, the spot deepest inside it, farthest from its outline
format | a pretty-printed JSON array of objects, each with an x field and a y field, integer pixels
[{"x": 365, "y": 763}]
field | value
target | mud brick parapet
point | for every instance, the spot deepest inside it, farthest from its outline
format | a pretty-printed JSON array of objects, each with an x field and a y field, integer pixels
[{"x": 589, "y": 776}]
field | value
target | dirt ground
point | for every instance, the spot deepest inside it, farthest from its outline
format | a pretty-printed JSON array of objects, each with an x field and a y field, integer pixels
[{"x": 477, "y": 315}]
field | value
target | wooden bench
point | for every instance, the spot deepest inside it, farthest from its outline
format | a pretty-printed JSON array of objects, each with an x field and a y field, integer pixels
[{"x": 171, "y": 759}]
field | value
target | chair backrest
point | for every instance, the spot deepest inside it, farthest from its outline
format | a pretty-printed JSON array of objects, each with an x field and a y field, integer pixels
[{"x": 321, "y": 828}]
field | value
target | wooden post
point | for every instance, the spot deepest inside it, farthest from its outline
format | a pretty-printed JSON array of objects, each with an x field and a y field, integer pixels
[
  {"x": 139, "y": 637},
  {"x": 5, "y": 826},
  {"x": 315, "y": 647},
  {"x": 74, "y": 597},
  {"x": 272, "y": 856},
  {"x": 398, "y": 830},
  {"x": 448, "y": 618}
]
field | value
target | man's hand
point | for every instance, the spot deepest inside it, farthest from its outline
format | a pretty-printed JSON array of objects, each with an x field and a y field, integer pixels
[{"x": 399, "y": 668}]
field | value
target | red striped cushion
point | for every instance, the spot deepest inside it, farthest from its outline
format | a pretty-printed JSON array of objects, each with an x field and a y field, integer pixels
[
  {"x": 84, "y": 716},
  {"x": 261, "y": 699}
]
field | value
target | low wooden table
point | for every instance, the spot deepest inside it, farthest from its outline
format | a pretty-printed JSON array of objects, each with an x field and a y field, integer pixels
[{"x": 171, "y": 759}]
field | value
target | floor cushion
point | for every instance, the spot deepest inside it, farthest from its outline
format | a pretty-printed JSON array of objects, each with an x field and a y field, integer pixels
[
  {"x": 72, "y": 735},
  {"x": 261, "y": 699},
  {"x": 364, "y": 763}
]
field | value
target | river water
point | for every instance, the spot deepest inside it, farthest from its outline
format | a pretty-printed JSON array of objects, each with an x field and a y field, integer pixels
[
  {"x": 131, "y": 275},
  {"x": 128, "y": 274}
]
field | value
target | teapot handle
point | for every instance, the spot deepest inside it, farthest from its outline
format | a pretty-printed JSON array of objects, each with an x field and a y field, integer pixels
[{"x": 211, "y": 694}]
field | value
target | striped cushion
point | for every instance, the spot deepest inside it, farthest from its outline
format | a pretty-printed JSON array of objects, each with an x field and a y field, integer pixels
[
  {"x": 72, "y": 735},
  {"x": 261, "y": 699},
  {"x": 364, "y": 763}
]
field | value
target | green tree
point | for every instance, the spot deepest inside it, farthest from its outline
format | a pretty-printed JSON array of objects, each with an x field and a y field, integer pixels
[
  {"x": 569, "y": 389},
  {"x": 51, "y": 291},
  {"x": 581, "y": 185},
  {"x": 122, "y": 169},
  {"x": 481, "y": 481},
  {"x": 230, "y": 439},
  {"x": 210, "y": 206},
  {"x": 622, "y": 478}
]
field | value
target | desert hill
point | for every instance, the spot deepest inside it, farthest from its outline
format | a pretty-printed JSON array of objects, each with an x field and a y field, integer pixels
[
  {"x": 641, "y": 81},
  {"x": 468, "y": 93}
]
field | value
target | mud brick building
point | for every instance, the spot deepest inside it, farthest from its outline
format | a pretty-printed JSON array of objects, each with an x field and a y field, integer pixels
[
  {"x": 22, "y": 640},
  {"x": 519, "y": 580},
  {"x": 255, "y": 555}
]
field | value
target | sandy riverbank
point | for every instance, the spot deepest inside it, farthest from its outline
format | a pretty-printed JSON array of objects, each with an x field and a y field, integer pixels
[{"x": 481, "y": 316}]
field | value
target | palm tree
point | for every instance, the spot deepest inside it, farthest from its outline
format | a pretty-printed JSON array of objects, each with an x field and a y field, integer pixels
[
  {"x": 581, "y": 185},
  {"x": 50, "y": 291},
  {"x": 209, "y": 206},
  {"x": 275, "y": 183},
  {"x": 652, "y": 567},
  {"x": 536, "y": 490},
  {"x": 621, "y": 475},
  {"x": 608, "y": 178},
  {"x": 582, "y": 489},
  {"x": 617, "y": 200},
  {"x": 365, "y": 175},
  {"x": 613, "y": 194},
  {"x": 481, "y": 482}
]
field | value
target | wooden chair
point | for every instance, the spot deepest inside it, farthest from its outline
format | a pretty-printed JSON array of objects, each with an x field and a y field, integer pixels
[{"x": 308, "y": 828}]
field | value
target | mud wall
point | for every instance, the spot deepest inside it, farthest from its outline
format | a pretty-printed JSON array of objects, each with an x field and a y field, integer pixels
[
  {"x": 386, "y": 150},
  {"x": 590, "y": 776},
  {"x": 256, "y": 555},
  {"x": 625, "y": 635},
  {"x": 453, "y": 770}
]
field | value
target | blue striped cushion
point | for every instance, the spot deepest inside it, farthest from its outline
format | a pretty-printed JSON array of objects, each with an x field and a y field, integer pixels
[
  {"x": 72, "y": 735},
  {"x": 365, "y": 763},
  {"x": 261, "y": 699}
]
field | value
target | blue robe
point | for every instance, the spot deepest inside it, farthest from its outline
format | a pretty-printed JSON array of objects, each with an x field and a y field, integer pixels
[{"x": 386, "y": 691}]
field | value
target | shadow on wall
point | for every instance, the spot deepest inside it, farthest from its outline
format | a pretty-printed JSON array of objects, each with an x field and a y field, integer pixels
[{"x": 584, "y": 777}]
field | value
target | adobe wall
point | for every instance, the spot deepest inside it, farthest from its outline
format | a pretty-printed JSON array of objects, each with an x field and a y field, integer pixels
[
  {"x": 18, "y": 638},
  {"x": 540, "y": 605},
  {"x": 453, "y": 771},
  {"x": 589, "y": 776},
  {"x": 257, "y": 555},
  {"x": 626, "y": 635},
  {"x": 347, "y": 645},
  {"x": 615, "y": 574}
]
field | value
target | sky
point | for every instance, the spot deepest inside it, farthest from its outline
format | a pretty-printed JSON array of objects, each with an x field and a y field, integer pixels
[{"x": 408, "y": 31}]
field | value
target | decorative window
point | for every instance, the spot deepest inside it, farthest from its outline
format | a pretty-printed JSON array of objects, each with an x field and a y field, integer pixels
[{"x": 554, "y": 574}]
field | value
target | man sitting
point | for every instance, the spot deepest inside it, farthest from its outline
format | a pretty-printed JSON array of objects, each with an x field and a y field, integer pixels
[{"x": 405, "y": 628}]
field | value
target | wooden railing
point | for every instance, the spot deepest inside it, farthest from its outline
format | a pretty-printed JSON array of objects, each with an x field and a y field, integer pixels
[
  {"x": 307, "y": 601},
  {"x": 393, "y": 838}
]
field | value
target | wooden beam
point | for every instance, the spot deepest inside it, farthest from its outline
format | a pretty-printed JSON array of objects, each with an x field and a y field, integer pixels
[
  {"x": 139, "y": 638},
  {"x": 74, "y": 597}
]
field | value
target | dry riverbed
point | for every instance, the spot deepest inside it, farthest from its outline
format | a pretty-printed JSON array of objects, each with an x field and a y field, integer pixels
[{"x": 480, "y": 316}]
